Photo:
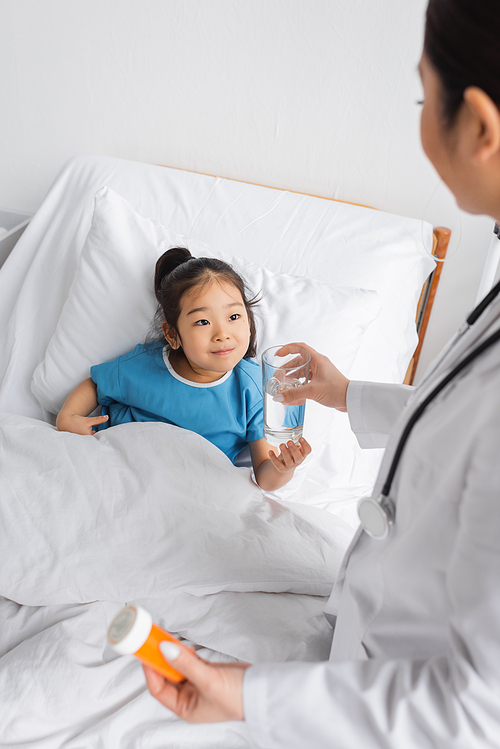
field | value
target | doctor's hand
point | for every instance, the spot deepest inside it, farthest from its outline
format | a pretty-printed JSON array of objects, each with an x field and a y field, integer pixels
[
  {"x": 212, "y": 692},
  {"x": 326, "y": 384}
]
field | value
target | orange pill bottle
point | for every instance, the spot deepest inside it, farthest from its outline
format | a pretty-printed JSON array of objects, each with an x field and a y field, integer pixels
[{"x": 132, "y": 632}]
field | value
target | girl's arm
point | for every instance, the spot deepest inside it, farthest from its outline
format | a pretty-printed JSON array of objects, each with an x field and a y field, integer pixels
[
  {"x": 273, "y": 471},
  {"x": 73, "y": 416}
]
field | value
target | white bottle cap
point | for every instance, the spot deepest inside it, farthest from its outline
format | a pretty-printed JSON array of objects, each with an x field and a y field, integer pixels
[{"x": 129, "y": 630}]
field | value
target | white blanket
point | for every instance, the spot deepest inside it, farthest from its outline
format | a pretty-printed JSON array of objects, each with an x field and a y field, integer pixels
[
  {"x": 142, "y": 510},
  {"x": 124, "y": 516}
]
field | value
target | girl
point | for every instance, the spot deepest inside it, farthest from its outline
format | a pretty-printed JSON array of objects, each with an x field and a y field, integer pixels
[{"x": 202, "y": 379}]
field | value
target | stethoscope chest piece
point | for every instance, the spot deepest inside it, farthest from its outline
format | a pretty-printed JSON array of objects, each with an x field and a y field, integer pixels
[{"x": 376, "y": 516}]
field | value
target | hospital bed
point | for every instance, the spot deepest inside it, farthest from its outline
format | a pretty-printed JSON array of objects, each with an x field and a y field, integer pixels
[{"x": 154, "y": 514}]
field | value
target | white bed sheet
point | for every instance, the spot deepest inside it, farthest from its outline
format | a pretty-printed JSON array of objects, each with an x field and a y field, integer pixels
[
  {"x": 59, "y": 685},
  {"x": 61, "y": 688}
]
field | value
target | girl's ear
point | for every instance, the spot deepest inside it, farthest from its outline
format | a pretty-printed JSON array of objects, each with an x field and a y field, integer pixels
[{"x": 171, "y": 336}]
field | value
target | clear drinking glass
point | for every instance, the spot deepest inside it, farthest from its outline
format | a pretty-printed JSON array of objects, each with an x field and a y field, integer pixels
[{"x": 279, "y": 373}]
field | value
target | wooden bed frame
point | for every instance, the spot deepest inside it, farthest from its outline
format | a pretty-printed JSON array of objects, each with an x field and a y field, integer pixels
[{"x": 441, "y": 239}]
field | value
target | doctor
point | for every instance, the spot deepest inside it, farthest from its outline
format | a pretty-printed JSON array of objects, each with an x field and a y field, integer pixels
[{"x": 415, "y": 660}]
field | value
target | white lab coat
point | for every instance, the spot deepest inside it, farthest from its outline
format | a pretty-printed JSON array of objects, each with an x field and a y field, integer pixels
[{"x": 415, "y": 660}]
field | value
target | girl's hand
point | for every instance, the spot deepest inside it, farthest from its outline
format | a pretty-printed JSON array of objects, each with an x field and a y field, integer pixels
[
  {"x": 73, "y": 416},
  {"x": 79, "y": 424},
  {"x": 274, "y": 471},
  {"x": 292, "y": 454},
  {"x": 327, "y": 385},
  {"x": 212, "y": 692}
]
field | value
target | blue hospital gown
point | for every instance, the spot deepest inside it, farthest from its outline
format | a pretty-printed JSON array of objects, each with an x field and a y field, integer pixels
[{"x": 142, "y": 386}]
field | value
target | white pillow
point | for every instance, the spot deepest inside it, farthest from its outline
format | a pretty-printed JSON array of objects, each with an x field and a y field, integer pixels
[
  {"x": 329, "y": 318},
  {"x": 111, "y": 302}
]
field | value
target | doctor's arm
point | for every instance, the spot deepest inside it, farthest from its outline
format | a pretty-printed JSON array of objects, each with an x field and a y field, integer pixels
[{"x": 372, "y": 407}]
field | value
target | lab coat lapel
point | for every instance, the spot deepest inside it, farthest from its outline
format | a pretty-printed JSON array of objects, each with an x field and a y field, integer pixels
[
  {"x": 453, "y": 353},
  {"x": 484, "y": 326}
]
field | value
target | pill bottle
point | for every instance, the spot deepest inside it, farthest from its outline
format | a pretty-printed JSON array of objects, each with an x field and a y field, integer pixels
[{"x": 132, "y": 631}]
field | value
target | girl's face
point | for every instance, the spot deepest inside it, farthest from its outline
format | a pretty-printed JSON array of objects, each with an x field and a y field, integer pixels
[{"x": 213, "y": 329}]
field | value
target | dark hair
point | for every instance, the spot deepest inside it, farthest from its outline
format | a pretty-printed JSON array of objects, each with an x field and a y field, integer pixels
[
  {"x": 177, "y": 271},
  {"x": 461, "y": 43}
]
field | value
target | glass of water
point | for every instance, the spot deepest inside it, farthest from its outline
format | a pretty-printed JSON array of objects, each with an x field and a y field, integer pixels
[{"x": 279, "y": 373}]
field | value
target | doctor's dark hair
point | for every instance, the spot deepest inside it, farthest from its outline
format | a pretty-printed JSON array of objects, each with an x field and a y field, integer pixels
[
  {"x": 462, "y": 45},
  {"x": 177, "y": 271}
]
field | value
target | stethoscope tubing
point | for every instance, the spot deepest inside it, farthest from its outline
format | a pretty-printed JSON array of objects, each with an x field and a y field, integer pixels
[
  {"x": 433, "y": 394},
  {"x": 377, "y": 515}
]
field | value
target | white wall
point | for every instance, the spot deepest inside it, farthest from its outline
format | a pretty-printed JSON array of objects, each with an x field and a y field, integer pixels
[{"x": 310, "y": 95}]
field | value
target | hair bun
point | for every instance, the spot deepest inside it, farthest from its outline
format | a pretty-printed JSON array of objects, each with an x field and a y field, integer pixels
[{"x": 168, "y": 262}]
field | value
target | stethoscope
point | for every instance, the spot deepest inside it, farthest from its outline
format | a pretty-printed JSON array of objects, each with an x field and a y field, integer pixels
[{"x": 378, "y": 514}]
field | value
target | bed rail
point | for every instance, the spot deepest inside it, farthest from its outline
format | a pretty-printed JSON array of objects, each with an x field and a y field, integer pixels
[{"x": 441, "y": 239}]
